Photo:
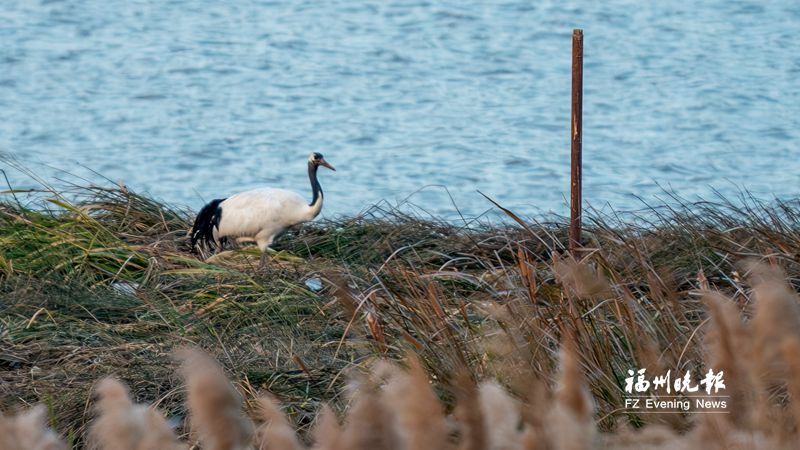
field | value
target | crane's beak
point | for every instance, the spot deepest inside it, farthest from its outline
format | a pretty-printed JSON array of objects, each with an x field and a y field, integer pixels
[{"x": 324, "y": 163}]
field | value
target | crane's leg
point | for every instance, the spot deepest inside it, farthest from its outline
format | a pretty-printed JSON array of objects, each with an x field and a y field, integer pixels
[
  {"x": 263, "y": 242},
  {"x": 217, "y": 241}
]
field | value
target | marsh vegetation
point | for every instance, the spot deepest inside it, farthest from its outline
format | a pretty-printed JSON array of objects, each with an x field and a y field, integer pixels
[{"x": 100, "y": 282}]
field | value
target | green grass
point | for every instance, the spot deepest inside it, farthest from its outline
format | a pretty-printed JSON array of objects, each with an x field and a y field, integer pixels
[{"x": 101, "y": 281}]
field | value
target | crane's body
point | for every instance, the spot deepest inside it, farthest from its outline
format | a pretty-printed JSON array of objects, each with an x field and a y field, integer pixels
[{"x": 260, "y": 214}]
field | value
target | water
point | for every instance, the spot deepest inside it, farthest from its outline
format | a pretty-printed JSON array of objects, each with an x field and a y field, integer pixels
[{"x": 192, "y": 100}]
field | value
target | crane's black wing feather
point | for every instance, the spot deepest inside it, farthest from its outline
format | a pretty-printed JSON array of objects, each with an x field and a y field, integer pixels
[{"x": 207, "y": 219}]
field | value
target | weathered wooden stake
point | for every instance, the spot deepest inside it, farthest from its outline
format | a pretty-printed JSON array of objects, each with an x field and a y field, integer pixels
[{"x": 577, "y": 142}]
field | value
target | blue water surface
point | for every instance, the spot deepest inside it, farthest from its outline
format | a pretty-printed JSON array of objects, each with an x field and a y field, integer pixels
[{"x": 190, "y": 100}]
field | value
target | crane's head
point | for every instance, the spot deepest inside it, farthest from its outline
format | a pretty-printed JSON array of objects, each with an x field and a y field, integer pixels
[{"x": 316, "y": 159}]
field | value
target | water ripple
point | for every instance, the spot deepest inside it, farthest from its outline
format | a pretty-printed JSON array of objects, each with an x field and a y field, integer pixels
[{"x": 191, "y": 100}]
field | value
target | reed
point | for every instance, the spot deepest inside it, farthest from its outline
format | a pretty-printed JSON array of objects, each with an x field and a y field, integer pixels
[{"x": 100, "y": 281}]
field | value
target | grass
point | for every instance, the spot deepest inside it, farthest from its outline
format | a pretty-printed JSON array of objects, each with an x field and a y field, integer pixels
[{"x": 101, "y": 281}]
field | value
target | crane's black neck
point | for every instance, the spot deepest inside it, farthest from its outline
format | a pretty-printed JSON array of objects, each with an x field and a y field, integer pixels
[{"x": 316, "y": 189}]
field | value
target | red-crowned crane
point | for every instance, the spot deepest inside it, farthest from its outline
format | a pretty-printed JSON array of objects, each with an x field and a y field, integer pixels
[{"x": 260, "y": 214}]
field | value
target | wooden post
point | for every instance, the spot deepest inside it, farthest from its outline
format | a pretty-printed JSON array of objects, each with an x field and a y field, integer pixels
[{"x": 577, "y": 141}]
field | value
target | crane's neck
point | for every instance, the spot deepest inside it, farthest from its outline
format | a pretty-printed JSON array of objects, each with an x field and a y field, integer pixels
[{"x": 316, "y": 191}]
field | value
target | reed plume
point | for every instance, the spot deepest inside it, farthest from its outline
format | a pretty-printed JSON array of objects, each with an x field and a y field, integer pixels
[
  {"x": 501, "y": 417},
  {"x": 729, "y": 347},
  {"x": 28, "y": 430},
  {"x": 468, "y": 414},
  {"x": 418, "y": 419},
  {"x": 369, "y": 422},
  {"x": 215, "y": 407},
  {"x": 327, "y": 432},
  {"x": 276, "y": 433},
  {"x": 570, "y": 424},
  {"x": 776, "y": 317},
  {"x": 586, "y": 282},
  {"x": 123, "y": 425},
  {"x": 791, "y": 354}
]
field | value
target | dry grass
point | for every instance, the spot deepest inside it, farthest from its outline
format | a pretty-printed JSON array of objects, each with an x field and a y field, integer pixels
[
  {"x": 394, "y": 408},
  {"x": 100, "y": 282}
]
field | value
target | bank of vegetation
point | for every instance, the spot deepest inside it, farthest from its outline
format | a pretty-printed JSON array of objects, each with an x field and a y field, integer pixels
[{"x": 98, "y": 282}]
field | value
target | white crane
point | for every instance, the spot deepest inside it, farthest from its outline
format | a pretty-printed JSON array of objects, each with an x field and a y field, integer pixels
[{"x": 260, "y": 214}]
